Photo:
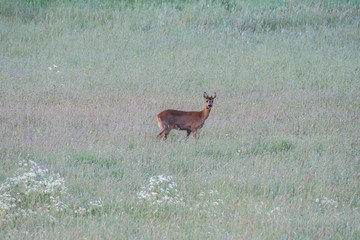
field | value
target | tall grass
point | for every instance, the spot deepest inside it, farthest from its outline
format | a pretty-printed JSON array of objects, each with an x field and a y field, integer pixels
[{"x": 81, "y": 84}]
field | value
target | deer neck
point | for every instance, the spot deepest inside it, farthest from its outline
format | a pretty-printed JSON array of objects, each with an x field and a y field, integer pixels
[{"x": 205, "y": 113}]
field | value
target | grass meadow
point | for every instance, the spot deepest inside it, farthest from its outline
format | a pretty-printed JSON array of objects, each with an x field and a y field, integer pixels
[{"x": 82, "y": 81}]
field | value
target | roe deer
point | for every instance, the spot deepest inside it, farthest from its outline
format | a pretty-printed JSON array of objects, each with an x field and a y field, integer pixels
[{"x": 181, "y": 120}]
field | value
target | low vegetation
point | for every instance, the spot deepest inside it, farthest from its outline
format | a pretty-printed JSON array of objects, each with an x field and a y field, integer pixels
[{"x": 81, "y": 83}]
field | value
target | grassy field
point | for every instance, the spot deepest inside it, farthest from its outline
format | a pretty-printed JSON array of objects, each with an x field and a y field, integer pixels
[{"x": 82, "y": 81}]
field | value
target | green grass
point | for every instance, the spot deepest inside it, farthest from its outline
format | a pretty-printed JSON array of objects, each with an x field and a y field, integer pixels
[{"x": 277, "y": 158}]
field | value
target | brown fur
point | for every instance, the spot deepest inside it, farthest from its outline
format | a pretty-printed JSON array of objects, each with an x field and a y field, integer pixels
[{"x": 181, "y": 120}]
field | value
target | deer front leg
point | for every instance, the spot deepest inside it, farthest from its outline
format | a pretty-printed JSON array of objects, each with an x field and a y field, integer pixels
[
  {"x": 166, "y": 133},
  {"x": 187, "y": 135}
]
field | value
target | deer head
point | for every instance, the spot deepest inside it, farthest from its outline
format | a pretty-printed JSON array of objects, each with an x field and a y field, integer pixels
[{"x": 209, "y": 100}]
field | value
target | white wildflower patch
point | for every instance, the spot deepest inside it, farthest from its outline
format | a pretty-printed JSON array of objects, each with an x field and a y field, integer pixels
[
  {"x": 91, "y": 208},
  {"x": 35, "y": 190},
  {"x": 210, "y": 200},
  {"x": 54, "y": 68},
  {"x": 259, "y": 207},
  {"x": 326, "y": 202},
  {"x": 161, "y": 190},
  {"x": 32, "y": 190},
  {"x": 274, "y": 212}
]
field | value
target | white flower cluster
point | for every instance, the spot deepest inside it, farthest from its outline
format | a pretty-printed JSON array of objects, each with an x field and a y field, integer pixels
[
  {"x": 33, "y": 189},
  {"x": 54, "y": 67},
  {"x": 326, "y": 202},
  {"x": 161, "y": 190},
  {"x": 274, "y": 211},
  {"x": 81, "y": 211},
  {"x": 93, "y": 206},
  {"x": 208, "y": 200}
]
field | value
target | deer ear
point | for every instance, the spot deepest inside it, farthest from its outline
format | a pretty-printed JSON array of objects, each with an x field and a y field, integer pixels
[
  {"x": 205, "y": 95},
  {"x": 214, "y": 95}
]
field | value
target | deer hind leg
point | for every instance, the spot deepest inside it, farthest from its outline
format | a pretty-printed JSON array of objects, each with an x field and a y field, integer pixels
[
  {"x": 160, "y": 134},
  {"x": 194, "y": 134},
  {"x": 161, "y": 125}
]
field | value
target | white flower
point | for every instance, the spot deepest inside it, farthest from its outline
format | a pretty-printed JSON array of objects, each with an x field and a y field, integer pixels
[
  {"x": 328, "y": 202},
  {"x": 277, "y": 209},
  {"x": 160, "y": 190},
  {"x": 30, "y": 181}
]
